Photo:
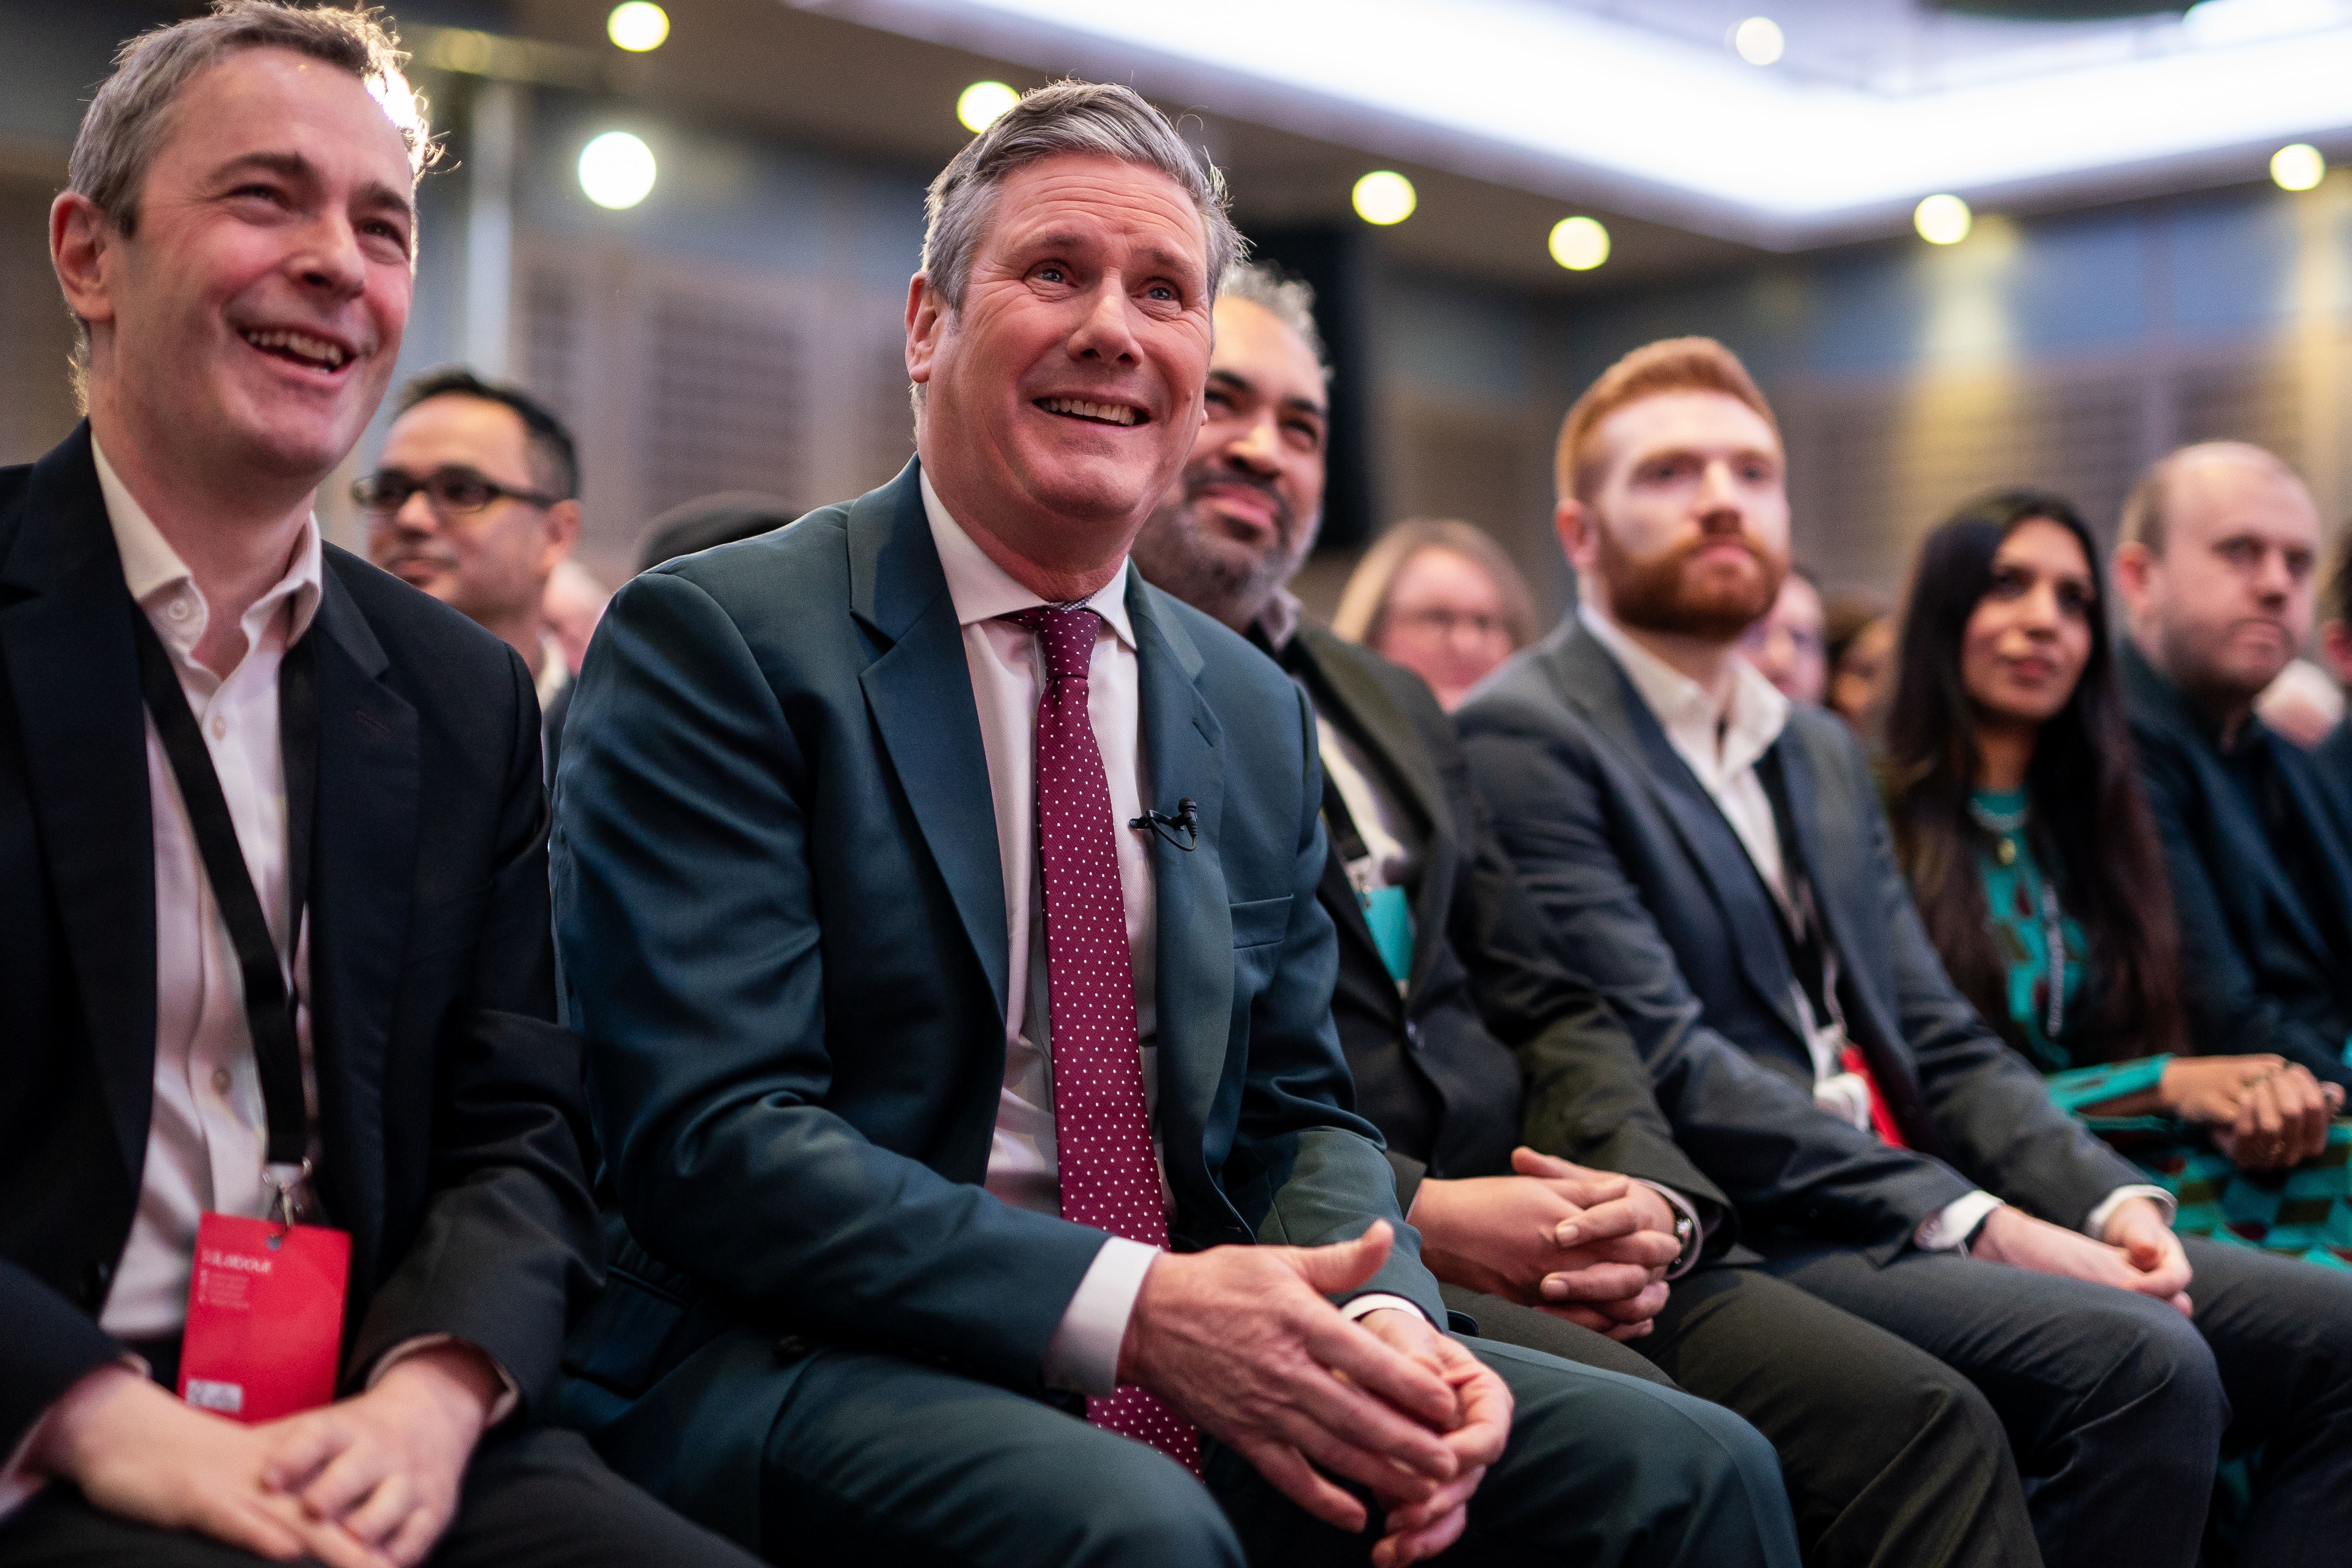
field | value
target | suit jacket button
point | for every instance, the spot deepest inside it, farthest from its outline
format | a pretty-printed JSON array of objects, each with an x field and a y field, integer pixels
[
  {"x": 1412, "y": 1032},
  {"x": 96, "y": 1276}
]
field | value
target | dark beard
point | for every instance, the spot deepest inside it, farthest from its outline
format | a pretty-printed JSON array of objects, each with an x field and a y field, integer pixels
[
  {"x": 1175, "y": 555},
  {"x": 1647, "y": 593}
]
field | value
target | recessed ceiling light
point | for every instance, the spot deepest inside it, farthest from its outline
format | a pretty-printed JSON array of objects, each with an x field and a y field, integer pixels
[
  {"x": 616, "y": 170},
  {"x": 1384, "y": 197},
  {"x": 637, "y": 27},
  {"x": 1759, "y": 40},
  {"x": 2299, "y": 166},
  {"x": 978, "y": 105},
  {"x": 1579, "y": 244},
  {"x": 1942, "y": 220}
]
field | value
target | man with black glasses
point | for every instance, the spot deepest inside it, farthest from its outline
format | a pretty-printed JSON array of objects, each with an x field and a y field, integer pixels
[{"x": 474, "y": 500}]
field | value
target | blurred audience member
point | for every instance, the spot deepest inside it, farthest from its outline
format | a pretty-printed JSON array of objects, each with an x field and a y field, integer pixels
[
  {"x": 1859, "y": 645},
  {"x": 2041, "y": 884},
  {"x": 574, "y": 603},
  {"x": 1439, "y": 597},
  {"x": 708, "y": 521},
  {"x": 474, "y": 500},
  {"x": 286, "y": 1123},
  {"x": 2217, "y": 567},
  {"x": 1788, "y": 647},
  {"x": 2334, "y": 749},
  {"x": 1443, "y": 977},
  {"x": 1711, "y": 857}
]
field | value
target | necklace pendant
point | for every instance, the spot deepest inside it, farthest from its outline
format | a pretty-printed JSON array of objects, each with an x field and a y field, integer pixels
[{"x": 2006, "y": 852}]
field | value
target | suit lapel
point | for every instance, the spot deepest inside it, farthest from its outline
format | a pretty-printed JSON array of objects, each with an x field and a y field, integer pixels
[
  {"x": 363, "y": 869},
  {"x": 1182, "y": 743},
  {"x": 66, "y": 641},
  {"x": 919, "y": 691},
  {"x": 1835, "y": 888},
  {"x": 1362, "y": 708},
  {"x": 1590, "y": 679}
]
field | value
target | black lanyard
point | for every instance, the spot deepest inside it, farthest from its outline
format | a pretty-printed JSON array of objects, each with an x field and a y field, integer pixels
[{"x": 269, "y": 1003}]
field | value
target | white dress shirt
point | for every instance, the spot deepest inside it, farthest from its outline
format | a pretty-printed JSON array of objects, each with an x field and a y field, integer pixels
[
  {"x": 1722, "y": 743},
  {"x": 1007, "y": 669},
  {"x": 207, "y": 1129}
]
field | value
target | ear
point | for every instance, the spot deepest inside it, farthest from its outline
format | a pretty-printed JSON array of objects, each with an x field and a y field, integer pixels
[
  {"x": 926, "y": 313},
  {"x": 563, "y": 520},
  {"x": 80, "y": 239},
  {"x": 2135, "y": 566},
  {"x": 1572, "y": 521}
]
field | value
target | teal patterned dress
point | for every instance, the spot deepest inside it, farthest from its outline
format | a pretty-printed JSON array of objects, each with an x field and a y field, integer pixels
[{"x": 2303, "y": 1213}]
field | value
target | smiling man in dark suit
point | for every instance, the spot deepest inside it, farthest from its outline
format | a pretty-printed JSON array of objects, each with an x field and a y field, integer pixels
[
  {"x": 237, "y": 763},
  {"x": 1713, "y": 859},
  {"x": 939, "y": 903},
  {"x": 1446, "y": 998}
]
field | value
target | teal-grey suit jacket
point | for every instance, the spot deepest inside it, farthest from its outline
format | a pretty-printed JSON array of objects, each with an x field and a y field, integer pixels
[{"x": 781, "y": 919}]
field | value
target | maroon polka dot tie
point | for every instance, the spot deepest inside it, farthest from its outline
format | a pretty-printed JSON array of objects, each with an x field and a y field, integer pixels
[{"x": 1101, "y": 1132}]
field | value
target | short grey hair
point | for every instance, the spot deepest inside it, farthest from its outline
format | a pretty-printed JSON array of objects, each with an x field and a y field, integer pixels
[
  {"x": 124, "y": 126},
  {"x": 1100, "y": 119},
  {"x": 1289, "y": 300},
  {"x": 126, "y": 122}
]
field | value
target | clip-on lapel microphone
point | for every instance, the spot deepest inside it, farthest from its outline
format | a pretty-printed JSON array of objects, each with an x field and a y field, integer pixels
[{"x": 1187, "y": 821}]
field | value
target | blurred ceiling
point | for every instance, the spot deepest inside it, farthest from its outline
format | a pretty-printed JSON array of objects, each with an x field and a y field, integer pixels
[
  {"x": 870, "y": 93},
  {"x": 1510, "y": 115},
  {"x": 1864, "y": 107}
]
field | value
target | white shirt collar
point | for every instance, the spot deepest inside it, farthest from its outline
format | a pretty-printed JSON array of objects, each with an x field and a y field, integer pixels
[
  {"x": 154, "y": 571},
  {"x": 1279, "y": 620},
  {"x": 984, "y": 591},
  {"x": 1747, "y": 725}
]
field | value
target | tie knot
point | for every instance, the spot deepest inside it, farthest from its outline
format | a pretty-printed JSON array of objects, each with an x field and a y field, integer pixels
[{"x": 1068, "y": 633}]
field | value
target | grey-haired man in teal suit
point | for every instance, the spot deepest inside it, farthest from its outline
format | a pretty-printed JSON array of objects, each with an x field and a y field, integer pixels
[{"x": 937, "y": 901}]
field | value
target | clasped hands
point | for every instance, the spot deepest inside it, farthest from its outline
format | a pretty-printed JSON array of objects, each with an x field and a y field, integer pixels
[
  {"x": 2265, "y": 1113},
  {"x": 1583, "y": 1245},
  {"x": 371, "y": 1481},
  {"x": 1241, "y": 1342}
]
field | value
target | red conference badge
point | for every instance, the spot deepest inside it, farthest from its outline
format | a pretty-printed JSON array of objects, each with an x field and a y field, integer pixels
[{"x": 265, "y": 1317}]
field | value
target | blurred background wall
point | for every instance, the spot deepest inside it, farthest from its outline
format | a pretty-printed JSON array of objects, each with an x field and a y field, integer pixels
[{"x": 739, "y": 326}]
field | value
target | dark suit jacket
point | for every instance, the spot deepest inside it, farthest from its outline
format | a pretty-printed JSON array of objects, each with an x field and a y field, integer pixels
[
  {"x": 1434, "y": 1066},
  {"x": 782, "y": 923},
  {"x": 2257, "y": 970},
  {"x": 1651, "y": 898},
  {"x": 451, "y": 1113}
]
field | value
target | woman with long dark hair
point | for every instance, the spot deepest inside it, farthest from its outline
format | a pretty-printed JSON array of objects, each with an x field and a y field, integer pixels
[{"x": 2018, "y": 817}]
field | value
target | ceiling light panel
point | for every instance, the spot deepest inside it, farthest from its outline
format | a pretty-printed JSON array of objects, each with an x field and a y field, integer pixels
[{"x": 1548, "y": 97}]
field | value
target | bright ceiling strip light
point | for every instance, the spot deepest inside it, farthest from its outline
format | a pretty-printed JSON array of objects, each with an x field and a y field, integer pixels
[{"x": 1690, "y": 132}]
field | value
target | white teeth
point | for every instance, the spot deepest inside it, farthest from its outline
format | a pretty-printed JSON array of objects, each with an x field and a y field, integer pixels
[
  {"x": 1109, "y": 412},
  {"x": 317, "y": 349}
]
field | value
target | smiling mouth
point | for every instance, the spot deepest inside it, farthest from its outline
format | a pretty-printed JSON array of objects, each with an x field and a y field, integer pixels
[
  {"x": 1117, "y": 414},
  {"x": 302, "y": 348}
]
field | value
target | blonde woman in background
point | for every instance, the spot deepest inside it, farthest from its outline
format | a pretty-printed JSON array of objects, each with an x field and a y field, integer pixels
[{"x": 1439, "y": 597}]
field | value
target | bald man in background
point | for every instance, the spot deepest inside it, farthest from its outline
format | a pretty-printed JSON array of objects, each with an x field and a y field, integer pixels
[{"x": 2218, "y": 572}]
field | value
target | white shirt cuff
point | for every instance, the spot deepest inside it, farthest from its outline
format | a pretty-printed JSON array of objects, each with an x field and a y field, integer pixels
[
  {"x": 1846, "y": 1096},
  {"x": 1083, "y": 1356},
  {"x": 2095, "y": 1226},
  {"x": 19, "y": 1482},
  {"x": 1365, "y": 1306},
  {"x": 509, "y": 1391},
  {"x": 1949, "y": 1229},
  {"x": 1688, "y": 1258}
]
